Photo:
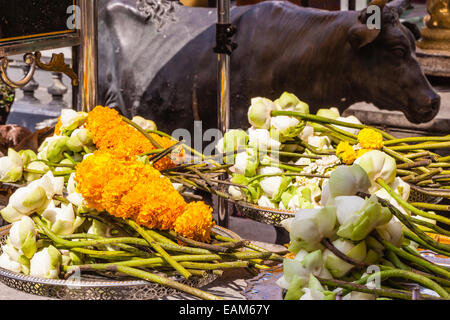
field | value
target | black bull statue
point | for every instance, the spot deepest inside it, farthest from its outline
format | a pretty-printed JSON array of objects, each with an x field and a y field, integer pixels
[{"x": 156, "y": 60}]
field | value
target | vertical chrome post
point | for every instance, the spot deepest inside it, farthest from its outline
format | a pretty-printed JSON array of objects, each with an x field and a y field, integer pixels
[
  {"x": 87, "y": 56},
  {"x": 223, "y": 97}
]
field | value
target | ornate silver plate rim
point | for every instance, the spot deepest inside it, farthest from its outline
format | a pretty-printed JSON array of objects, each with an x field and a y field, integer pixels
[{"x": 95, "y": 289}]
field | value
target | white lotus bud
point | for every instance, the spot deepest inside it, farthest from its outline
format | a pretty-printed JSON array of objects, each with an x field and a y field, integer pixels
[
  {"x": 338, "y": 267},
  {"x": 349, "y": 119},
  {"x": 22, "y": 236},
  {"x": 11, "y": 167},
  {"x": 378, "y": 164},
  {"x": 284, "y": 128},
  {"x": 71, "y": 119},
  {"x": 63, "y": 220},
  {"x": 7, "y": 263},
  {"x": 259, "y": 112},
  {"x": 289, "y": 102},
  {"x": 264, "y": 201},
  {"x": 246, "y": 163},
  {"x": 236, "y": 193},
  {"x": 260, "y": 138},
  {"x": 46, "y": 263},
  {"x": 319, "y": 142},
  {"x": 308, "y": 131},
  {"x": 10, "y": 214},
  {"x": 144, "y": 123},
  {"x": 29, "y": 199}
]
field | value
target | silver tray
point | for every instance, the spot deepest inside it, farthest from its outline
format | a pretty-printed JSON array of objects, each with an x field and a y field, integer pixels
[
  {"x": 263, "y": 214},
  {"x": 93, "y": 287}
]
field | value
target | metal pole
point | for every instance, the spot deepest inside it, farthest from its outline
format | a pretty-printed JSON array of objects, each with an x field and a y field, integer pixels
[
  {"x": 87, "y": 56},
  {"x": 223, "y": 96}
]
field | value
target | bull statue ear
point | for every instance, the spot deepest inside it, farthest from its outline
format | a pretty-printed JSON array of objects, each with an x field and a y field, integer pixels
[
  {"x": 360, "y": 35},
  {"x": 413, "y": 28},
  {"x": 399, "y": 5}
]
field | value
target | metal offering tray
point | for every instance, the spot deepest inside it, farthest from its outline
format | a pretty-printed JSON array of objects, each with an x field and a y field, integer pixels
[{"x": 97, "y": 287}]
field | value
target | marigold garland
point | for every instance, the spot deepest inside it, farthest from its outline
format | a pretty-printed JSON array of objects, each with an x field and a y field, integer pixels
[
  {"x": 110, "y": 133},
  {"x": 370, "y": 139},
  {"x": 58, "y": 127},
  {"x": 130, "y": 189}
]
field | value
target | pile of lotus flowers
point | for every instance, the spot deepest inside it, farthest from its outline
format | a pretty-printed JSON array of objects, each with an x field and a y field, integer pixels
[
  {"x": 95, "y": 198},
  {"x": 354, "y": 191}
]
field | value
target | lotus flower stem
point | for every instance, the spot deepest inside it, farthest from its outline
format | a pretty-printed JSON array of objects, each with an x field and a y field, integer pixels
[
  {"x": 415, "y": 155},
  {"x": 290, "y": 154},
  {"x": 419, "y": 261},
  {"x": 315, "y": 150},
  {"x": 436, "y": 145},
  {"x": 324, "y": 120},
  {"x": 413, "y": 277},
  {"x": 327, "y": 243},
  {"x": 68, "y": 157},
  {"x": 408, "y": 206},
  {"x": 432, "y": 191},
  {"x": 342, "y": 132},
  {"x": 249, "y": 245},
  {"x": 105, "y": 254},
  {"x": 414, "y": 164},
  {"x": 422, "y": 235},
  {"x": 198, "y": 244},
  {"x": 159, "y": 249},
  {"x": 213, "y": 266},
  {"x": 444, "y": 159},
  {"x": 148, "y": 153},
  {"x": 288, "y": 174},
  {"x": 417, "y": 139},
  {"x": 431, "y": 206},
  {"x": 103, "y": 241},
  {"x": 406, "y": 173},
  {"x": 392, "y": 257},
  {"x": 349, "y": 286},
  {"x": 157, "y": 279},
  {"x": 51, "y": 164},
  {"x": 402, "y": 158},
  {"x": 414, "y": 238},
  {"x": 138, "y": 128},
  {"x": 426, "y": 175},
  {"x": 429, "y": 225}
]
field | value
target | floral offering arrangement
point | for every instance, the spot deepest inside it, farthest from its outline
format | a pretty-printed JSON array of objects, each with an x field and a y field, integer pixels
[
  {"x": 354, "y": 190},
  {"x": 95, "y": 197}
]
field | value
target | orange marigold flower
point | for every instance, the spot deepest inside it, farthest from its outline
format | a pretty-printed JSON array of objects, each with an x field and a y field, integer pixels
[
  {"x": 110, "y": 133},
  {"x": 195, "y": 222},
  {"x": 130, "y": 189},
  {"x": 58, "y": 127},
  {"x": 345, "y": 152},
  {"x": 370, "y": 139}
]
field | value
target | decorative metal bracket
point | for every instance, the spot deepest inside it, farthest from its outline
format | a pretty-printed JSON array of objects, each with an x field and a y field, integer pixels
[
  {"x": 57, "y": 64},
  {"x": 224, "y": 44},
  {"x": 29, "y": 59}
]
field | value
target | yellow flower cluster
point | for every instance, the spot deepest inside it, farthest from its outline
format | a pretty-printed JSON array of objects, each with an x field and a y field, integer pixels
[
  {"x": 129, "y": 189},
  {"x": 110, "y": 133},
  {"x": 345, "y": 152},
  {"x": 370, "y": 139}
]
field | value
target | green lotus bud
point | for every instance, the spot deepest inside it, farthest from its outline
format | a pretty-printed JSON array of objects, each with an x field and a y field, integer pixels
[
  {"x": 349, "y": 119},
  {"x": 27, "y": 156},
  {"x": 331, "y": 113},
  {"x": 259, "y": 112},
  {"x": 378, "y": 164},
  {"x": 315, "y": 291},
  {"x": 23, "y": 236},
  {"x": 7, "y": 263},
  {"x": 358, "y": 217},
  {"x": 289, "y": 102},
  {"x": 46, "y": 263},
  {"x": 38, "y": 166},
  {"x": 56, "y": 148},
  {"x": 10, "y": 214},
  {"x": 311, "y": 225},
  {"x": 28, "y": 199},
  {"x": 345, "y": 181},
  {"x": 285, "y": 128},
  {"x": 246, "y": 163},
  {"x": 62, "y": 220},
  {"x": 392, "y": 232},
  {"x": 274, "y": 187},
  {"x": 232, "y": 141},
  {"x": 372, "y": 257},
  {"x": 354, "y": 295},
  {"x": 261, "y": 139},
  {"x": 74, "y": 144},
  {"x": 11, "y": 167},
  {"x": 71, "y": 119},
  {"x": 144, "y": 123},
  {"x": 17, "y": 256},
  {"x": 338, "y": 267}
]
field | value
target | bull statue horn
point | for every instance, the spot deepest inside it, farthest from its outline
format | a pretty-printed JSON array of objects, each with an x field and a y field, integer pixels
[
  {"x": 400, "y": 5},
  {"x": 379, "y": 3}
]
